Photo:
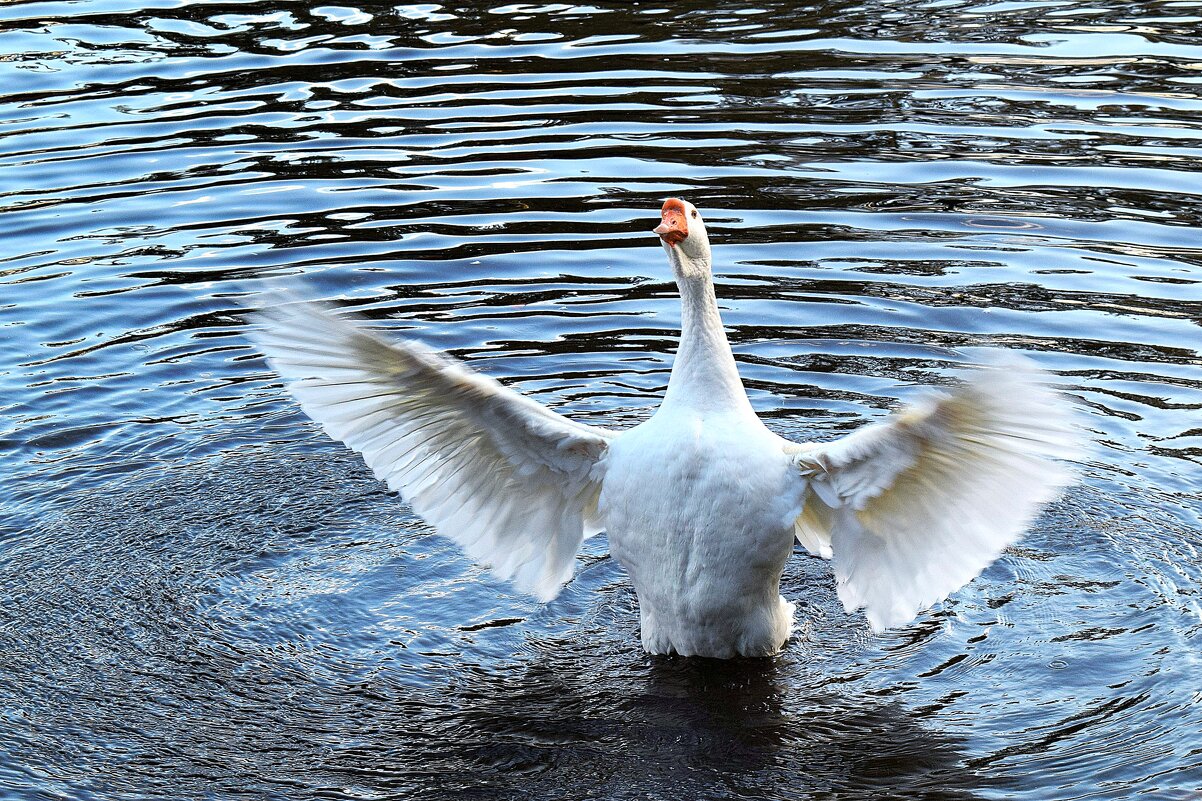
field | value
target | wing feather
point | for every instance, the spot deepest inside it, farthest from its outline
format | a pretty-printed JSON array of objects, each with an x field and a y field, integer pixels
[
  {"x": 911, "y": 509},
  {"x": 509, "y": 480}
]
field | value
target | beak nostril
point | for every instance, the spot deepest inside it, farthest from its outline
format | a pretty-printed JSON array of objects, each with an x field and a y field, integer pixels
[{"x": 674, "y": 224}]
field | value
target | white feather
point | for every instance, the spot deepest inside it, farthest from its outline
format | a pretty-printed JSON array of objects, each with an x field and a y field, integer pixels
[
  {"x": 702, "y": 503},
  {"x": 913, "y": 508},
  {"x": 512, "y": 482}
]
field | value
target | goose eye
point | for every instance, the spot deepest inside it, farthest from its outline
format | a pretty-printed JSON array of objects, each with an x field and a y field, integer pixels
[{"x": 694, "y": 213}]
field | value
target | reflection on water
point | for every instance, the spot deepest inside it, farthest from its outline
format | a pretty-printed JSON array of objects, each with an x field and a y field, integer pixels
[{"x": 200, "y": 596}]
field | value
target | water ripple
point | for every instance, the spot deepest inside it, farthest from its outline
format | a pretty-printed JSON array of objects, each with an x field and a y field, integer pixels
[{"x": 200, "y": 596}]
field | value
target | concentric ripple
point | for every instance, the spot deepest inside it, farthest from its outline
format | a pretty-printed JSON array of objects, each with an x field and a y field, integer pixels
[{"x": 202, "y": 597}]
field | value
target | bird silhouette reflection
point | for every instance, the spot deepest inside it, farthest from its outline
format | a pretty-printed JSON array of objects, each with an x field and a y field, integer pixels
[{"x": 583, "y": 725}]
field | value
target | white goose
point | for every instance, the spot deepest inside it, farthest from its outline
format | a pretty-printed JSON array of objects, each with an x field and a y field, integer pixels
[{"x": 701, "y": 502}]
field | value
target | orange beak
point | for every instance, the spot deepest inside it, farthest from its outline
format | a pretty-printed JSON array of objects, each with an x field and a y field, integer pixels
[{"x": 674, "y": 224}]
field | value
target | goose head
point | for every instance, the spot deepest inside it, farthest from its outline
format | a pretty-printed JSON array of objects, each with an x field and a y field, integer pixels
[{"x": 683, "y": 234}]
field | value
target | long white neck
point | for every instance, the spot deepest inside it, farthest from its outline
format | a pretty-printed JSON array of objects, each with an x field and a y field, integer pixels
[{"x": 704, "y": 374}]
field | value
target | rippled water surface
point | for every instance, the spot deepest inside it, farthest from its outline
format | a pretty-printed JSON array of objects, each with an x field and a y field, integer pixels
[{"x": 203, "y": 597}]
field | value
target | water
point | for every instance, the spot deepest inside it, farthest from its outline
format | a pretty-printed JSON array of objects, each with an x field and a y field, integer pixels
[{"x": 202, "y": 597}]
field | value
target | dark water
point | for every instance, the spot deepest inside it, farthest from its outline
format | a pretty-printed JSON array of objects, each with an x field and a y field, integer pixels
[{"x": 202, "y": 597}]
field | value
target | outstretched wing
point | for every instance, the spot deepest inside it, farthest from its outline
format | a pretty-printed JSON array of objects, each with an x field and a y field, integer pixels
[
  {"x": 512, "y": 482},
  {"x": 911, "y": 509}
]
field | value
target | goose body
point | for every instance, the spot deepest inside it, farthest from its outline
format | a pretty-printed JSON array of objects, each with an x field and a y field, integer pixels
[
  {"x": 699, "y": 505},
  {"x": 702, "y": 503}
]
